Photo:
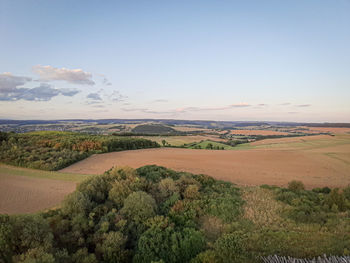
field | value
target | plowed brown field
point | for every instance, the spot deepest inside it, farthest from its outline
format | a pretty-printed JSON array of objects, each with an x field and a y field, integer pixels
[
  {"x": 324, "y": 162},
  {"x": 23, "y": 194}
]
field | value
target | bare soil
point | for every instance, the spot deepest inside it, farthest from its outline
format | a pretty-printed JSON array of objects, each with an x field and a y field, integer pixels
[
  {"x": 244, "y": 167},
  {"x": 23, "y": 194}
]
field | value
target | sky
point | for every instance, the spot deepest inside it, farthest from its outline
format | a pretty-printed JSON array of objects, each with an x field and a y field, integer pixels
[{"x": 206, "y": 60}]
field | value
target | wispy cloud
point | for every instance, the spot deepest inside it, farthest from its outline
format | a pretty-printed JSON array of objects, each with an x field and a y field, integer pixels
[
  {"x": 69, "y": 92},
  {"x": 303, "y": 105},
  {"x": 239, "y": 105},
  {"x": 94, "y": 96},
  {"x": 74, "y": 76},
  {"x": 99, "y": 106},
  {"x": 160, "y": 101},
  {"x": 284, "y": 104},
  {"x": 116, "y": 96},
  {"x": 186, "y": 109},
  {"x": 145, "y": 110}
]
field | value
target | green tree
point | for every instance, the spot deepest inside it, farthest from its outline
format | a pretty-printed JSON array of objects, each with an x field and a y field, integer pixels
[
  {"x": 167, "y": 188},
  {"x": 113, "y": 248},
  {"x": 36, "y": 255},
  {"x": 31, "y": 231},
  {"x": 5, "y": 239},
  {"x": 76, "y": 203},
  {"x": 83, "y": 256},
  {"x": 209, "y": 146},
  {"x": 139, "y": 206},
  {"x": 166, "y": 244}
]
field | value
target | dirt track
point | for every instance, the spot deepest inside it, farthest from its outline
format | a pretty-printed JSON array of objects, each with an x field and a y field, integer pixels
[
  {"x": 244, "y": 167},
  {"x": 23, "y": 194}
]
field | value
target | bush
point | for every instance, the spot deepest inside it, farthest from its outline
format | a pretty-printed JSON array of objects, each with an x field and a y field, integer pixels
[
  {"x": 6, "y": 232},
  {"x": 336, "y": 201},
  {"x": 324, "y": 190},
  {"x": 229, "y": 248},
  {"x": 296, "y": 186},
  {"x": 346, "y": 192}
]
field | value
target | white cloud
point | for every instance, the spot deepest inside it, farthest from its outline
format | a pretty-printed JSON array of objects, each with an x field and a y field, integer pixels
[{"x": 75, "y": 76}]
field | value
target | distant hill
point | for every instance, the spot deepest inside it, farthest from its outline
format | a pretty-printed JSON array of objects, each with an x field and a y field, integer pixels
[{"x": 153, "y": 129}]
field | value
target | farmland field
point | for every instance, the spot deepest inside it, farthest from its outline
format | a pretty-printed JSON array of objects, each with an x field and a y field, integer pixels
[
  {"x": 257, "y": 132},
  {"x": 217, "y": 145},
  {"x": 317, "y": 161},
  {"x": 180, "y": 140},
  {"x": 27, "y": 190}
]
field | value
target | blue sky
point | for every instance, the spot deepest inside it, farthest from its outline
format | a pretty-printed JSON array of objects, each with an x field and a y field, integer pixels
[{"x": 220, "y": 60}]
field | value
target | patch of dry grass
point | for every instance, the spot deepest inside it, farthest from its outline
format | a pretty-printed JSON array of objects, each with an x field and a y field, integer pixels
[{"x": 261, "y": 208}]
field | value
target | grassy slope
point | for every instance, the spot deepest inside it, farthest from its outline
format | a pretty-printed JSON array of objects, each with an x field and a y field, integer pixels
[
  {"x": 215, "y": 144},
  {"x": 19, "y": 171}
]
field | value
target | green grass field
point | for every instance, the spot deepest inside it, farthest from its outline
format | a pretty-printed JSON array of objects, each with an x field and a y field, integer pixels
[
  {"x": 204, "y": 144},
  {"x": 18, "y": 171}
]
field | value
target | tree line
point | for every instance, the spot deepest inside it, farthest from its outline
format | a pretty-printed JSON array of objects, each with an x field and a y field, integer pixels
[{"x": 56, "y": 150}]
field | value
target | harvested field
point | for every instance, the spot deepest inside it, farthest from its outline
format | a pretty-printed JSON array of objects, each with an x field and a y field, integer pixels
[
  {"x": 324, "y": 164},
  {"x": 289, "y": 141},
  {"x": 257, "y": 132},
  {"x": 335, "y": 130},
  {"x": 24, "y": 190},
  {"x": 23, "y": 194}
]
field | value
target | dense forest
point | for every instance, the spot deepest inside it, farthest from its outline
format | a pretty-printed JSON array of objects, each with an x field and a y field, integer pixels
[
  {"x": 56, "y": 150},
  {"x": 154, "y": 214}
]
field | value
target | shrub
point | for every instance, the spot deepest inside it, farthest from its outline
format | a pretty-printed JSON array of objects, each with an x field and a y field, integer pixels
[
  {"x": 230, "y": 248},
  {"x": 324, "y": 190},
  {"x": 346, "y": 192},
  {"x": 296, "y": 186},
  {"x": 336, "y": 200},
  {"x": 5, "y": 239}
]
